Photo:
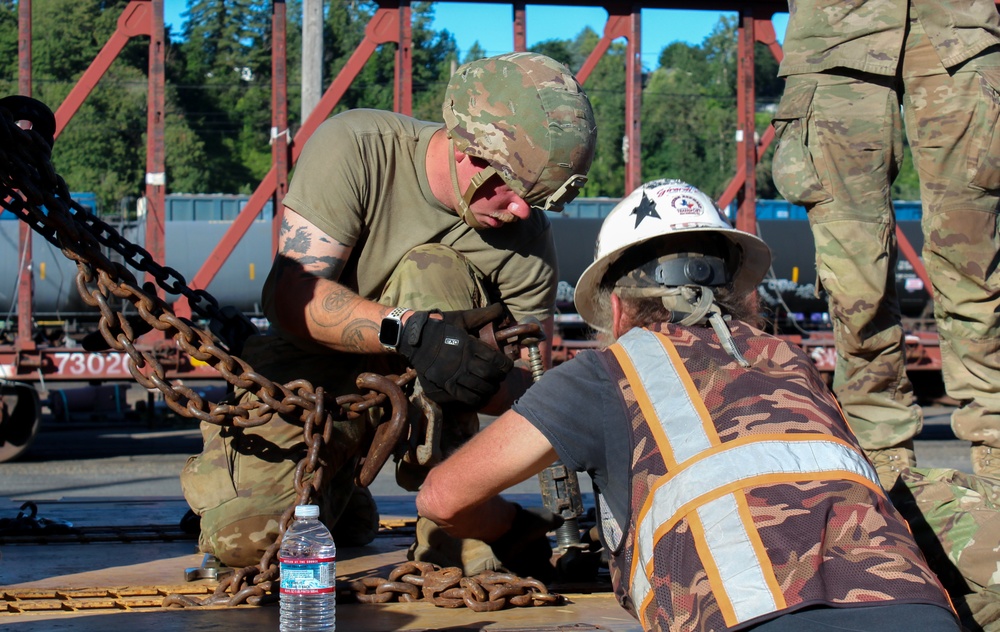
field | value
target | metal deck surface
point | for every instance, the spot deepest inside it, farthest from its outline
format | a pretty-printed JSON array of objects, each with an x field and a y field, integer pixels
[{"x": 110, "y": 584}]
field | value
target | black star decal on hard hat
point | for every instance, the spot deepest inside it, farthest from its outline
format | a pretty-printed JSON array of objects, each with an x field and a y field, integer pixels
[{"x": 645, "y": 209}]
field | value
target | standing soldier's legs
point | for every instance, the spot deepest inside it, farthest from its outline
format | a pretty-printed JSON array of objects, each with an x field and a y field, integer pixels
[
  {"x": 839, "y": 150},
  {"x": 952, "y": 123}
]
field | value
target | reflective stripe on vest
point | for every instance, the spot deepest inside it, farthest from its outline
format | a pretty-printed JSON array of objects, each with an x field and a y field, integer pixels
[{"x": 705, "y": 477}]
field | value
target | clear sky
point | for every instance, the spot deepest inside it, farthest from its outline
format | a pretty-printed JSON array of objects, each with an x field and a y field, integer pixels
[{"x": 492, "y": 25}]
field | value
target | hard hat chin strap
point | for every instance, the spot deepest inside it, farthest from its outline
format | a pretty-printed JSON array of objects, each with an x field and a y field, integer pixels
[
  {"x": 691, "y": 306},
  {"x": 725, "y": 336}
]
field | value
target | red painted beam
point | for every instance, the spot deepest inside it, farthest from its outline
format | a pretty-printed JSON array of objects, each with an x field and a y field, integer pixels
[
  {"x": 25, "y": 279},
  {"x": 382, "y": 28},
  {"x": 633, "y": 103},
  {"x": 156, "y": 171},
  {"x": 136, "y": 19},
  {"x": 279, "y": 114},
  {"x": 746, "y": 218},
  {"x": 403, "y": 98}
]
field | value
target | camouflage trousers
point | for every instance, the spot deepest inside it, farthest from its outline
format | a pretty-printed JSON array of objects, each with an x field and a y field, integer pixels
[
  {"x": 840, "y": 148},
  {"x": 955, "y": 519},
  {"x": 242, "y": 482}
]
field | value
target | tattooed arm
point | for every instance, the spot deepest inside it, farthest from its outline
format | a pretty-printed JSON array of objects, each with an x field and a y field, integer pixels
[{"x": 310, "y": 301}]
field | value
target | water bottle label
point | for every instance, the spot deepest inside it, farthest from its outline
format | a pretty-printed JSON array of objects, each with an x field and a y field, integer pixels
[{"x": 307, "y": 576}]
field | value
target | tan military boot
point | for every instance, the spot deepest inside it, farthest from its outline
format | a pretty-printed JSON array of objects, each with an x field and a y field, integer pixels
[
  {"x": 437, "y": 547},
  {"x": 889, "y": 462},
  {"x": 985, "y": 460}
]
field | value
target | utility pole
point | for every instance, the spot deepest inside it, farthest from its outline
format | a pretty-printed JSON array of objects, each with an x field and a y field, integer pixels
[{"x": 312, "y": 55}]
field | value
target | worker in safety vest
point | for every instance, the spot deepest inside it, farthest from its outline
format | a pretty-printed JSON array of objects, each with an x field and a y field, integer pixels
[{"x": 731, "y": 492}]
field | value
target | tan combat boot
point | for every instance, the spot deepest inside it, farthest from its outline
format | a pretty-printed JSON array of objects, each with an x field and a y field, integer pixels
[
  {"x": 437, "y": 547},
  {"x": 985, "y": 460},
  {"x": 889, "y": 462}
]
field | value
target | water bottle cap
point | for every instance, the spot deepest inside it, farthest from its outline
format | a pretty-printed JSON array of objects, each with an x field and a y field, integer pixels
[{"x": 307, "y": 511}]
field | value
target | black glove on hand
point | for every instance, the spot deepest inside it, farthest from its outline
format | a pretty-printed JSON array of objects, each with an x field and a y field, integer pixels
[
  {"x": 453, "y": 365},
  {"x": 525, "y": 549}
]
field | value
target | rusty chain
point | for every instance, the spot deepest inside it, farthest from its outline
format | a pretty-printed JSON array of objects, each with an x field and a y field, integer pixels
[
  {"x": 28, "y": 182},
  {"x": 447, "y": 588}
]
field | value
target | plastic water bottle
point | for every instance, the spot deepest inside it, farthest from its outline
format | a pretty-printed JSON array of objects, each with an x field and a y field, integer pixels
[{"x": 308, "y": 559}]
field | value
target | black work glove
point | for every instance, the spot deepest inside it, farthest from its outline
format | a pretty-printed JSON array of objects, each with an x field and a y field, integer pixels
[
  {"x": 525, "y": 549},
  {"x": 452, "y": 365}
]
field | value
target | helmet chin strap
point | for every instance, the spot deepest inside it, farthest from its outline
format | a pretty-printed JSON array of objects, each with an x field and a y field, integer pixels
[{"x": 463, "y": 200}]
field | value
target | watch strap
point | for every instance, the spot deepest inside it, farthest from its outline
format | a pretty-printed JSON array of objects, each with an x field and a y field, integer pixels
[{"x": 393, "y": 320}]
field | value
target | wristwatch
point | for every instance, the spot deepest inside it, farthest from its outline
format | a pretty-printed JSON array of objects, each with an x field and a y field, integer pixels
[{"x": 391, "y": 330}]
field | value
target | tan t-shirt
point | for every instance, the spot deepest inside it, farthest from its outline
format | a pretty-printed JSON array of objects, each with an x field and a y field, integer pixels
[{"x": 361, "y": 179}]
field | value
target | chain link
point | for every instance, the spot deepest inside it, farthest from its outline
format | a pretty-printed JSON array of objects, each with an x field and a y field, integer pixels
[
  {"x": 28, "y": 183},
  {"x": 448, "y": 588}
]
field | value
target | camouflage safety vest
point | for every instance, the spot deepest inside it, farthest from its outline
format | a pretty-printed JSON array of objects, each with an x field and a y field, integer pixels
[{"x": 750, "y": 497}]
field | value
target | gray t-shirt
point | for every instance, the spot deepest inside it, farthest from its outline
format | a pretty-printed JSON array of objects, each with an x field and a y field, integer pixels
[{"x": 578, "y": 408}]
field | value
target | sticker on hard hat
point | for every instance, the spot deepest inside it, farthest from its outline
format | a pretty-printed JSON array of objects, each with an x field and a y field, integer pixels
[
  {"x": 686, "y": 205},
  {"x": 688, "y": 225},
  {"x": 645, "y": 209}
]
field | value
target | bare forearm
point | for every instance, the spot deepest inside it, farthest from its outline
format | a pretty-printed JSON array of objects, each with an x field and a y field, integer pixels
[
  {"x": 486, "y": 521},
  {"x": 310, "y": 302},
  {"x": 462, "y": 494},
  {"x": 342, "y": 320},
  {"x": 332, "y": 315}
]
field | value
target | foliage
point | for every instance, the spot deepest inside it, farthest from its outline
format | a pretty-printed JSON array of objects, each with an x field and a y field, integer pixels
[
  {"x": 218, "y": 97},
  {"x": 224, "y": 64},
  {"x": 606, "y": 88},
  {"x": 8, "y": 44},
  {"x": 906, "y": 186},
  {"x": 688, "y": 124}
]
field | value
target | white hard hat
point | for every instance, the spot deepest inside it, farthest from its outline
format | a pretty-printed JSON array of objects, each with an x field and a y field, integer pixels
[{"x": 666, "y": 209}]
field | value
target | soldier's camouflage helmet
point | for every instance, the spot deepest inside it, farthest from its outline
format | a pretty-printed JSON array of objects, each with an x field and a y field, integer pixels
[{"x": 529, "y": 119}]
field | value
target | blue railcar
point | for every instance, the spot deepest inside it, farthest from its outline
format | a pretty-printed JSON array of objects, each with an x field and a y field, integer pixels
[{"x": 196, "y": 223}]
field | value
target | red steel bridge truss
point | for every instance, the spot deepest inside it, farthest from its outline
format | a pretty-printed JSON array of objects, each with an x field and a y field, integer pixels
[{"x": 26, "y": 361}]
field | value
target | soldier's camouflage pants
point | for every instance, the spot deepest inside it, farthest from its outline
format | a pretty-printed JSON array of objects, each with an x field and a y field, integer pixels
[
  {"x": 242, "y": 482},
  {"x": 839, "y": 150}
]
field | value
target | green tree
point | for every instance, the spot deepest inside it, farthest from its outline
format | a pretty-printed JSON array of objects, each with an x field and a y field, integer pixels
[
  {"x": 8, "y": 46},
  {"x": 226, "y": 72},
  {"x": 689, "y": 112},
  {"x": 768, "y": 86},
  {"x": 476, "y": 51},
  {"x": 559, "y": 50},
  {"x": 433, "y": 53},
  {"x": 907, "y": 184},
  {"x": 103, "y": 147},
  {"x": 606, "y": 88}
]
